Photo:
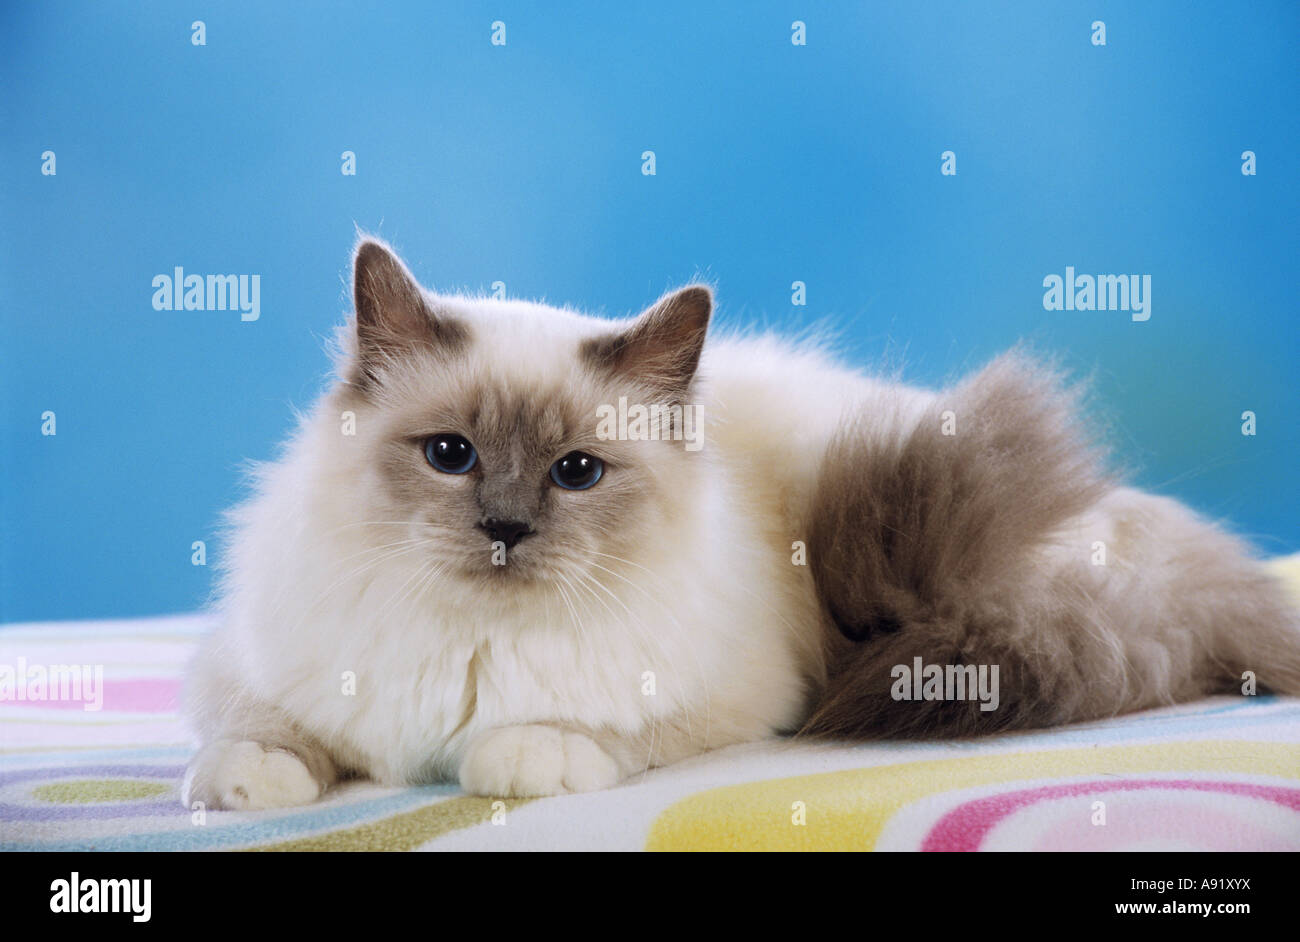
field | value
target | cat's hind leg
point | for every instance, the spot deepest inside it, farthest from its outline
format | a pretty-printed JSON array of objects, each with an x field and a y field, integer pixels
[
  {"x": 971, "y": 541},
  {"x": 927, "y": 541}
]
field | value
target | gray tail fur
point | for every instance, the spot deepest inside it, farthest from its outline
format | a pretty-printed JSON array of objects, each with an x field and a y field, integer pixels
[{"x": 932, "y": 543}]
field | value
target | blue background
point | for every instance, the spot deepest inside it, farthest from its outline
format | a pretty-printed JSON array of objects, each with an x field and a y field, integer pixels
[{"x": 522, "y": 163}]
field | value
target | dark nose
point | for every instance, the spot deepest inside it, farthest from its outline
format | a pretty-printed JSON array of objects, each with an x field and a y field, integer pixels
[{"x": 508, "y": 532}]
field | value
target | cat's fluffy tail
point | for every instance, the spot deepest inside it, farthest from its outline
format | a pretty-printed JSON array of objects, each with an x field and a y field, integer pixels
[{"x": 971, "y": 537}]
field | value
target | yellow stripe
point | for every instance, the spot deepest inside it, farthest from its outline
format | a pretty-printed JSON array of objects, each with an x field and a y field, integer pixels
[{"x": 848, "y": 810}]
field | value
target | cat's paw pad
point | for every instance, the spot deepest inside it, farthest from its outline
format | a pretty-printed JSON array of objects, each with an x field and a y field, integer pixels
[
  {"x": 535, "y": 761},
  {"x": 247, "y": 776}
]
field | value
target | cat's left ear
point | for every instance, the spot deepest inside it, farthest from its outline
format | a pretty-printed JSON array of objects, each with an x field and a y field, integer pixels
[{"x": 662, "y": 347}]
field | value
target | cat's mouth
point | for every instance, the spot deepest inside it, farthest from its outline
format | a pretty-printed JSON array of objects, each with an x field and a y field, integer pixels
[
  {"x": 530, "y": 565},
  {"x": 518, "y": 560}
]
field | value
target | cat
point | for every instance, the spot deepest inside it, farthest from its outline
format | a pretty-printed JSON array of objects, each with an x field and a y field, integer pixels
[{"x": 449, "y": 574}]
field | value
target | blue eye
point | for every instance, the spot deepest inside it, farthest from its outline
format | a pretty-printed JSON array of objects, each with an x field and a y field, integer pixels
[
  {"x": 577, "y": 471},
  {"x": 450, "y": 454}
]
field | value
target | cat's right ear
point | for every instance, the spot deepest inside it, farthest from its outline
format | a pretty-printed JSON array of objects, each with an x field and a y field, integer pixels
[{"x": 393, "y": 314}]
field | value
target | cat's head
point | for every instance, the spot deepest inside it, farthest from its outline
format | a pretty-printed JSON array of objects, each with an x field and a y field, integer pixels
[{"x": 502, "y": 438}]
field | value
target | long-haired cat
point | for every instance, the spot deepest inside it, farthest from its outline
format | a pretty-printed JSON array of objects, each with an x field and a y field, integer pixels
[{"x": 454, "y": 571}]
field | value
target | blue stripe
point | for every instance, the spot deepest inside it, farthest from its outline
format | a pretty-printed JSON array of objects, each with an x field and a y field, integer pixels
[{"x": 264, "y": 830}]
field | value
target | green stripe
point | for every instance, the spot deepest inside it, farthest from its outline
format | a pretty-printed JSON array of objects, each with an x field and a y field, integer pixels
[
  {"x": 405, "y": 831},
  {"x": 94, "y": 791}
]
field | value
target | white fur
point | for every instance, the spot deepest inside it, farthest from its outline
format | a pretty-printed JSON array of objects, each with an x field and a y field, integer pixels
[
  {"x": 449, "y": 682},
  {"x": 246, "y": 776},
  {"x": 534, "y": 761}
]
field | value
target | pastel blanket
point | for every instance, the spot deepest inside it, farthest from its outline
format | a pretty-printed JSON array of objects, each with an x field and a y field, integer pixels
[{"x": 1220, "y": 774}]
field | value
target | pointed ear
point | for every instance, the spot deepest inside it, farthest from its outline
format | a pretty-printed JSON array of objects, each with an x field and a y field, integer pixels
[
  {"x": 662, "y": 347},
  {"x": 392, "y": 313}
]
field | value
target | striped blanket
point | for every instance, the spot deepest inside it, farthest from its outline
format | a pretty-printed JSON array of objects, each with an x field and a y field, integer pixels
[{"x": 1221, "y": 774}]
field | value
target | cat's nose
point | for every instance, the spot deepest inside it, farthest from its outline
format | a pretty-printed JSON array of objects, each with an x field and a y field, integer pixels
[{"x": 508, "y": 532}]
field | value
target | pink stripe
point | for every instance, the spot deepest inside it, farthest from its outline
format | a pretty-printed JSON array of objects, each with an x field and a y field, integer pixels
[
  {"x": 1156, "y": 820},
  {"x": 966, "y": 826},
  {"x": 142, "y": 695}
]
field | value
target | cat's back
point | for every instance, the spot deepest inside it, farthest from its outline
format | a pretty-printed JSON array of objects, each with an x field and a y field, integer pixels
[{"x": 772, "y": 406}]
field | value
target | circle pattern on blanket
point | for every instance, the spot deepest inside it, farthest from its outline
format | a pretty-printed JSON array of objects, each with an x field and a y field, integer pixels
[
  {"x": 1133, "y": 814},
  {"x": 89, "y": 791},
  {"x": 98, "y": 791}
]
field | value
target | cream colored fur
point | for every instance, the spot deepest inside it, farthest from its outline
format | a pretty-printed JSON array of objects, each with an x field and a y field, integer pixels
[{"x": 358, "y": 640}]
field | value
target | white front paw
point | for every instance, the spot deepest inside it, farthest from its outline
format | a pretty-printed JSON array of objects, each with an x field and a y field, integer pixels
[
  {"x": 247, "y": 776},
  {"x": 535, "y": 761}
]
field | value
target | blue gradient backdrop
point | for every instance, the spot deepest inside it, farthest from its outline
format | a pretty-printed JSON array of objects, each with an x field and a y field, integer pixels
[{"x": 522, "y": 164}]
